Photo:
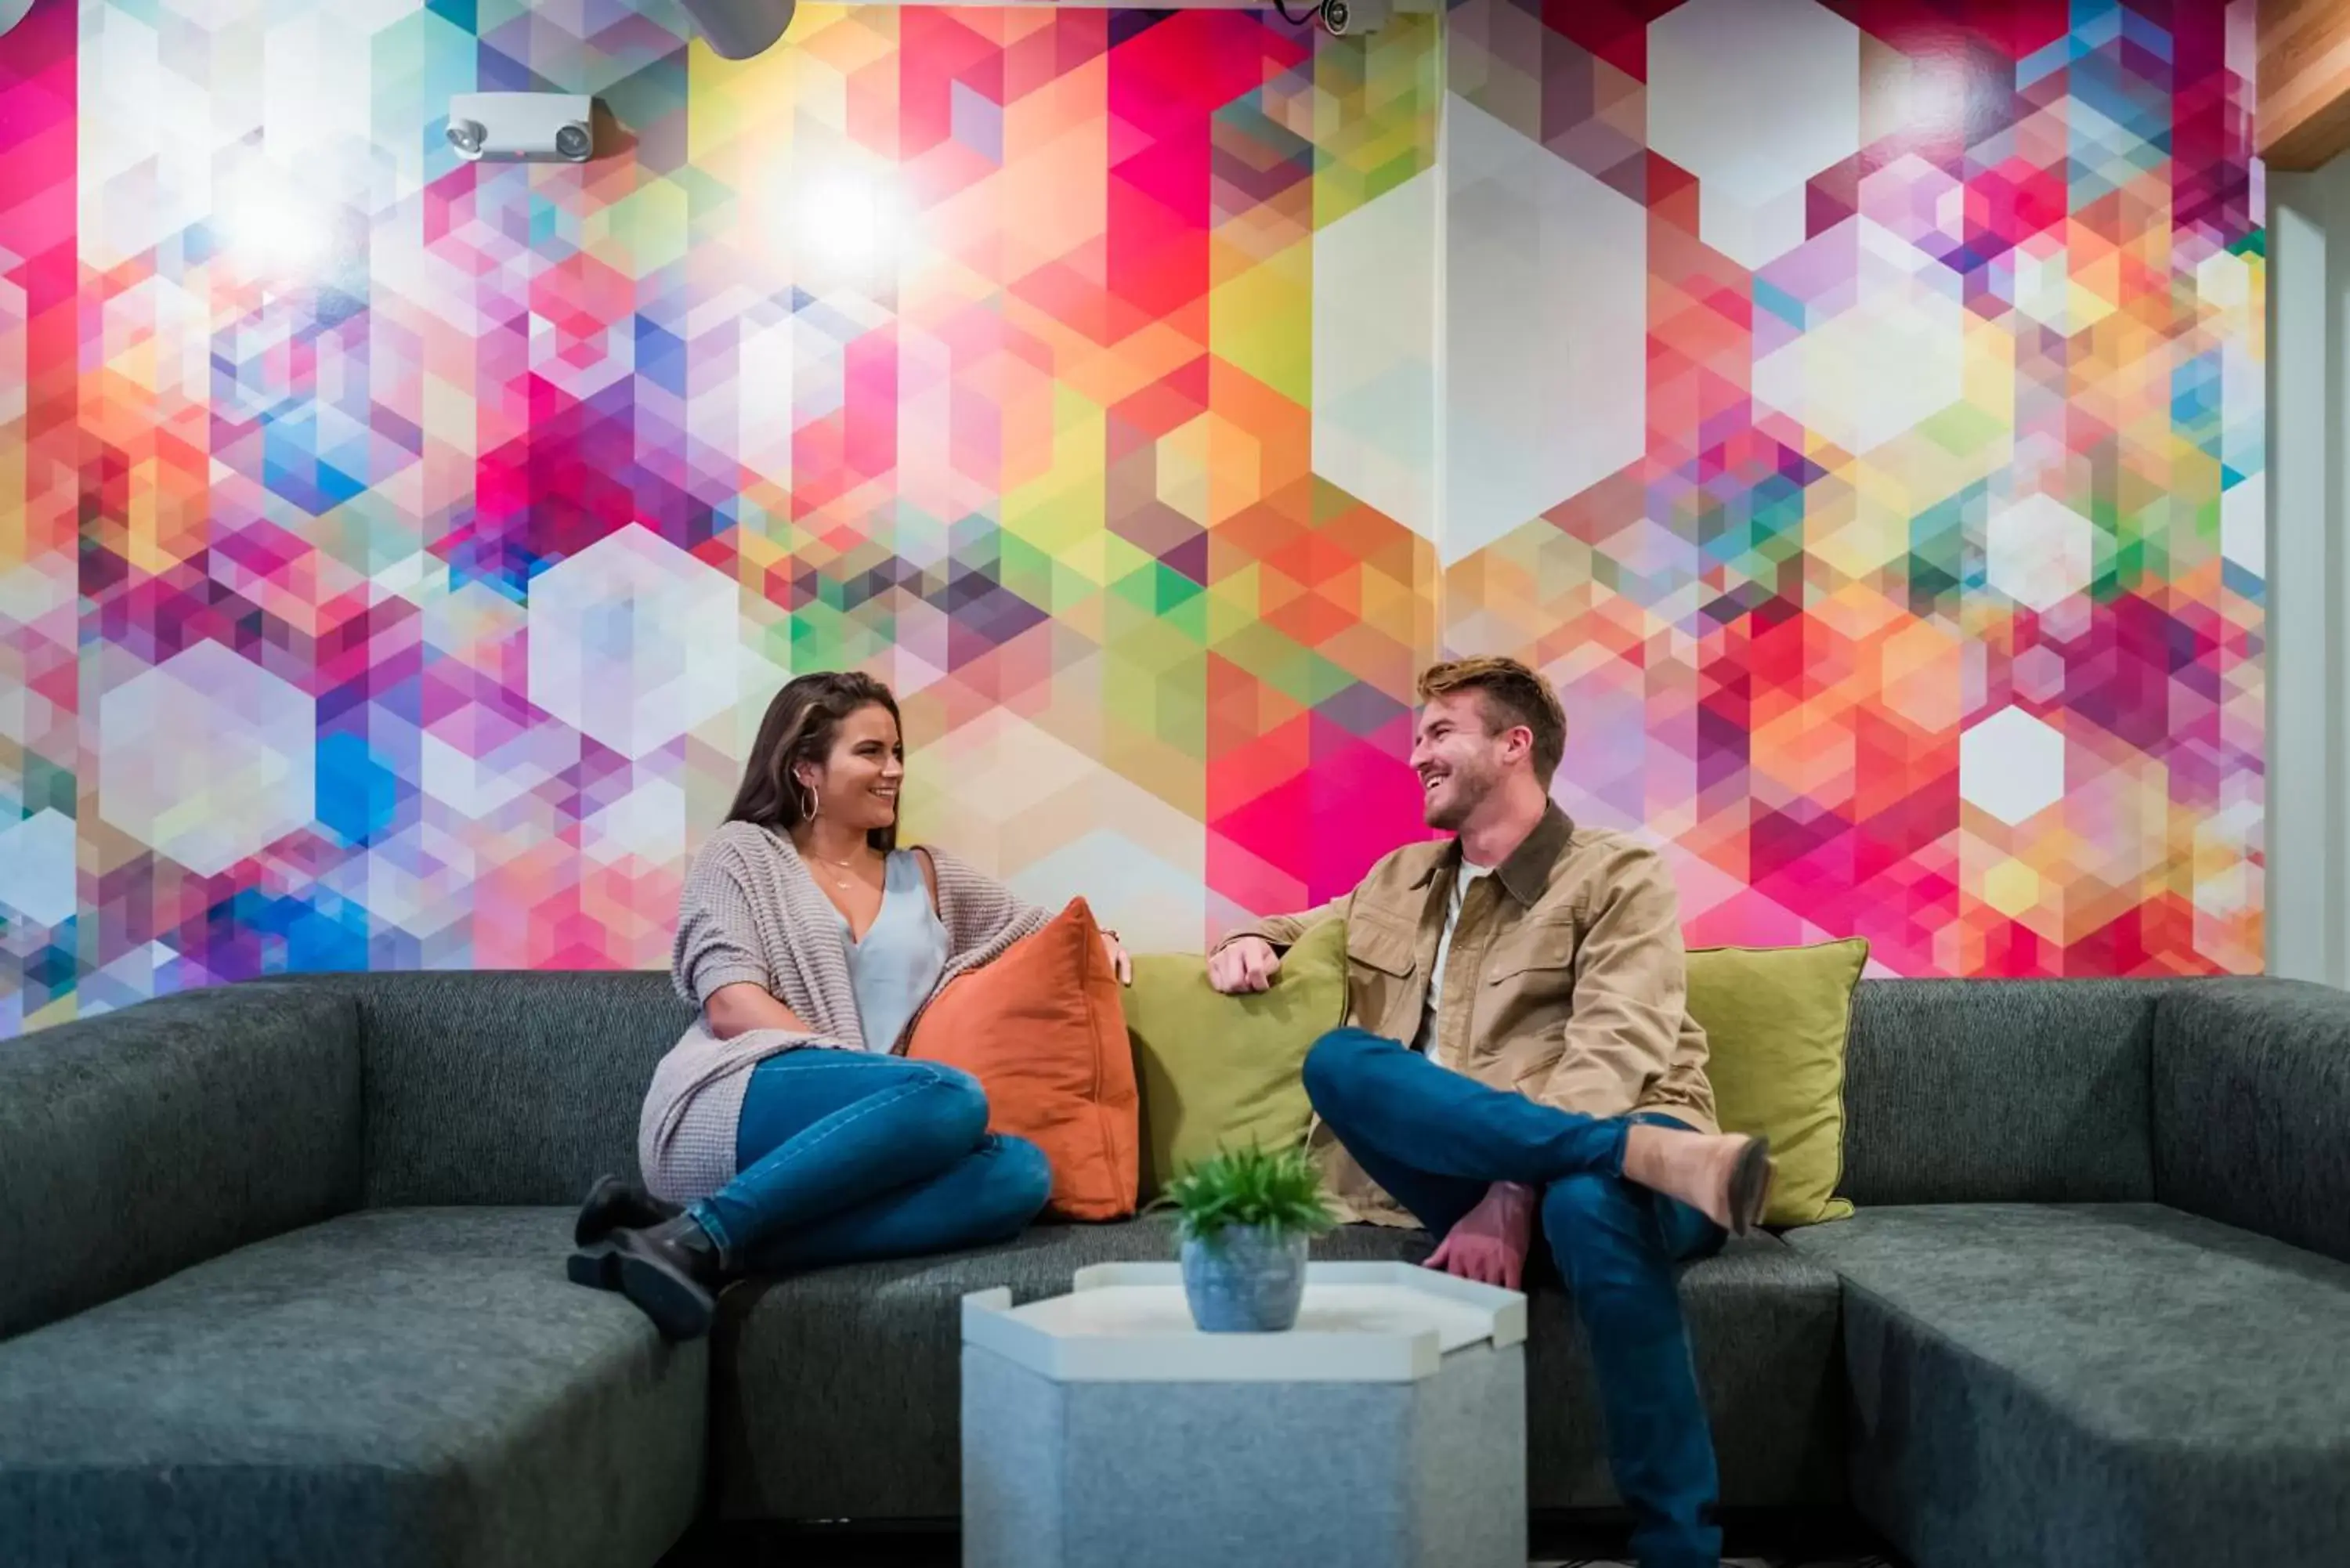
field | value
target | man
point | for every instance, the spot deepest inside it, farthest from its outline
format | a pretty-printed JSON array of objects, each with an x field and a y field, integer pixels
[{"x": 1518, "y": 1044}]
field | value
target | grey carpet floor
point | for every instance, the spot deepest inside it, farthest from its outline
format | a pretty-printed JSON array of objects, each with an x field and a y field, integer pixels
[
  {"x": 1728, "y": 1562},
  {"x": 943, "y": 1551}
]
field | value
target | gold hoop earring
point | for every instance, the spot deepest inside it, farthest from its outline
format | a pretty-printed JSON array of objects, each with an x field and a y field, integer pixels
[{"x": 808, "y": 804}]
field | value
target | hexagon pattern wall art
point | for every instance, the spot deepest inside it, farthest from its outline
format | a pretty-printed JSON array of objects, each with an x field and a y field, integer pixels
[
  {"x": 1853, "y": 407},
  {"x": 1931, "y": 609}
]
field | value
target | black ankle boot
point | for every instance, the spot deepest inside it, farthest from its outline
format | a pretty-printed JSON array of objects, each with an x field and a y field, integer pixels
[
  {"x": 614, "y": 1204},
  {"x": 674, "y": 1272}
]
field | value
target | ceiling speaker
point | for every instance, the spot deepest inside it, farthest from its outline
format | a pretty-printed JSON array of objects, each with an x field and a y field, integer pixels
[{"x": 737, "y": 29}]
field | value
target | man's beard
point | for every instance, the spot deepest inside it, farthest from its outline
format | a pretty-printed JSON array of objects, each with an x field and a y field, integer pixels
[{"x": 1462, "y": 794}]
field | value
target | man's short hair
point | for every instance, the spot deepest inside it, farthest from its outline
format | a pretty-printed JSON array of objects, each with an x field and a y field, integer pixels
[{"x": 1512, "y": 695}]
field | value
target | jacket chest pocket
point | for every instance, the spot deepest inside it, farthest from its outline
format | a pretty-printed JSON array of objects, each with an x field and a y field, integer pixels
[
  {"x": 1533, "y": 973},
  {"x": 1381, "y": 947},
  {"x": 1381, "y": 965},
  {"x": 1529, "y": 975}
]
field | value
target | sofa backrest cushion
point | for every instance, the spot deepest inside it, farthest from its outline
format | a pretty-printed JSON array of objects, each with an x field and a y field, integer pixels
[
  {"x": 2251, "y": 1109},
  {"x": 1223, "y": 1072},
  {"x": 136, "y": 1143},
  {"x": 1777, "y": 1021},
  {"x": 506, "y": 1086},
  {"x": 1991, "y": 1091},
  {"x": 1043, "y": 1028}
]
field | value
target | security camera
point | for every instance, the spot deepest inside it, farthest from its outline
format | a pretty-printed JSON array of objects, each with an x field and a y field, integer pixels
[
  {"x": 1345, "y": 18},
  {"x": 738, "y": 29},
  {"x": 523, "y": 125}
]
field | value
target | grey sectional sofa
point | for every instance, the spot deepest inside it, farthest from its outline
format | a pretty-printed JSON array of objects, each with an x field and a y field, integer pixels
[{"x": 281, "y": 1283}]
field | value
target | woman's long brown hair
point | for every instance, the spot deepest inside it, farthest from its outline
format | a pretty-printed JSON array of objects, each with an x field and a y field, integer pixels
[{"x": 801, "y": 724}]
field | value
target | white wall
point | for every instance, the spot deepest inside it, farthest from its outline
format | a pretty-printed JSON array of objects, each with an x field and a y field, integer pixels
[{"x": 2308, "y": 829}]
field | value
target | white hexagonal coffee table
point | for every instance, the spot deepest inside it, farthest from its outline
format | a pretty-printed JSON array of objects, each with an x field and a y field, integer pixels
[{"x": 1386, "y": 1430}]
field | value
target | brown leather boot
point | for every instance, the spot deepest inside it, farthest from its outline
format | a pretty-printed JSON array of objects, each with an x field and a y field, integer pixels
[{"x": 1724, "y": 1177}]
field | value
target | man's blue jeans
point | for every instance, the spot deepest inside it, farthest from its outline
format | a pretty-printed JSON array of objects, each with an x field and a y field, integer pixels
[
  {"x": 1436, "y": 1139},
  {"x": 843, "y": 1155}
]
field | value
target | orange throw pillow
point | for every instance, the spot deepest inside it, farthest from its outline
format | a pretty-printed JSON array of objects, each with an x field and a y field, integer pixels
[{"x": 1042, "y": 1030}]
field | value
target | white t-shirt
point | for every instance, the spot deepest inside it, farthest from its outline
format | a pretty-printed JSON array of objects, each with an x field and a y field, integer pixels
[{"x": 1469, "y": 873}]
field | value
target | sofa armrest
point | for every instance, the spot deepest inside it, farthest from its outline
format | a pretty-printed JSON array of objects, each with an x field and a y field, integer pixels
[
  {"x": 136, "y": 1143},
  {"x": 2251, "y": 1109}
]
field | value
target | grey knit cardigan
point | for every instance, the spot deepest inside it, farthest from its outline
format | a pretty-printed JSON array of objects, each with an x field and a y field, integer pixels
[{"x": 751, "y": 912}]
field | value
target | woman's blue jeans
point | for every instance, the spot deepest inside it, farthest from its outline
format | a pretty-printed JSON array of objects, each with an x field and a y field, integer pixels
[{"x": 843, "y": 1155}]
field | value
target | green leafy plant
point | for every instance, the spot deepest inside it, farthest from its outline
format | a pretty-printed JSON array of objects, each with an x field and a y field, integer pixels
[{"x": 1248, "y": 1187}]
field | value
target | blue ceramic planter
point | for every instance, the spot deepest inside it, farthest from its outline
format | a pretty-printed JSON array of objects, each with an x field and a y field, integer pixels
[{"x": 1245, "y": 1280}]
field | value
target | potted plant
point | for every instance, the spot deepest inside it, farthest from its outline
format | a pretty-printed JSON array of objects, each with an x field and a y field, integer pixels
[{"x": 1245, "y": 1217}]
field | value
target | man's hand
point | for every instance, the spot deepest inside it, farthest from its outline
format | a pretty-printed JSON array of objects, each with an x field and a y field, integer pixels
[
  {"x": 1489, "y": 1243},
  {"x": 1248, "y": 963}
]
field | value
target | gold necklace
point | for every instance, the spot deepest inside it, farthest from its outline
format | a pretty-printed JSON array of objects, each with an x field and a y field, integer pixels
[{"x": 842, "y": 882}]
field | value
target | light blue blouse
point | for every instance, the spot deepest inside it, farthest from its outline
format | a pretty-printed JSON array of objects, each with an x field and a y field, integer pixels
[{"x": 898, "y": 964}]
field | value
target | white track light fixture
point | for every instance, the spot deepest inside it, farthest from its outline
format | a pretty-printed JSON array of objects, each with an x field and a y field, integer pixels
[
  {"x": 738, "y": 29},
  {"x": 536, "y": 126}
]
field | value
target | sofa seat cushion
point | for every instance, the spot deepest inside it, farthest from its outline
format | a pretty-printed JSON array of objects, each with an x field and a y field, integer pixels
[
  {"x": 836, "y": 1393},
  {"x": 2101, "y": 1382},
  {"x": 392, "y": 1387}
]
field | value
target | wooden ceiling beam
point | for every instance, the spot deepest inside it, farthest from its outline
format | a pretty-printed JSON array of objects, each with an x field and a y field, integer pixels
[{"x": 2301, "y": 118}]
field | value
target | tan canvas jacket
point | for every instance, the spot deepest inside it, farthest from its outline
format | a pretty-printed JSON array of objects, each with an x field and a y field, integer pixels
[{"x": 1565, "y": 980}]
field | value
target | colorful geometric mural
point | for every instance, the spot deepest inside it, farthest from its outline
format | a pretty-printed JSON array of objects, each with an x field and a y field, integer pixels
[
  {"x": 1926, "y": 606},
  {"x": 1856, "y": 408}
]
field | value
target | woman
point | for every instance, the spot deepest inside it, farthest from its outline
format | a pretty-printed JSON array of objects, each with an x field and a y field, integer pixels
[{"x": 783, "y": 1121}]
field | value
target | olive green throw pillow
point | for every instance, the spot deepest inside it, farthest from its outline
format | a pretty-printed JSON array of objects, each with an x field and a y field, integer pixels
[
  {"x": 1223, "y": 1072},
  {"x": 1776, "y": 1019}
]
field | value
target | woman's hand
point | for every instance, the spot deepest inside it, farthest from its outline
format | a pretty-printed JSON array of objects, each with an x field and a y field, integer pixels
[{"x": 1119, "y": 964}]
